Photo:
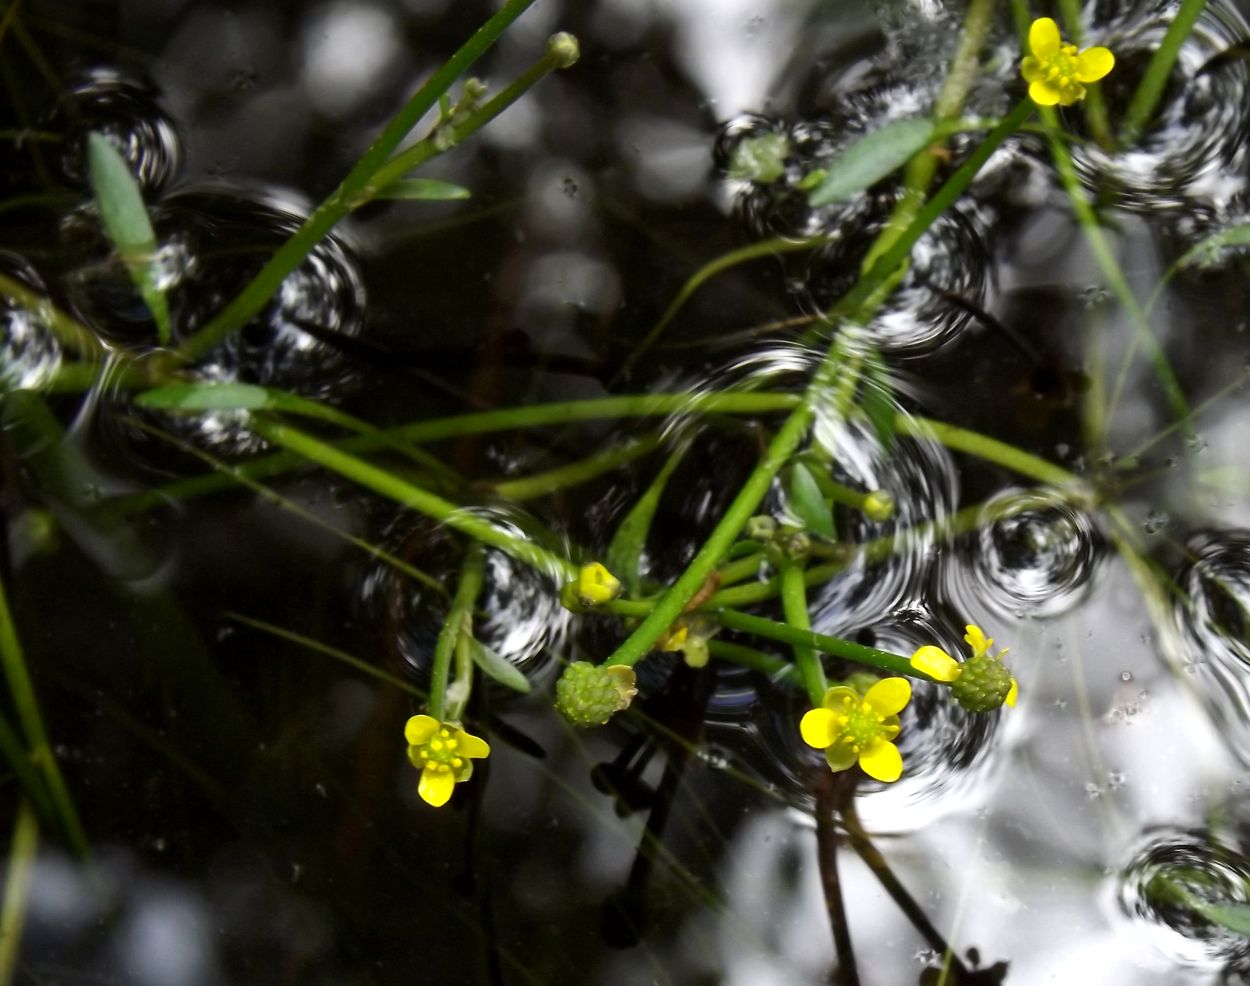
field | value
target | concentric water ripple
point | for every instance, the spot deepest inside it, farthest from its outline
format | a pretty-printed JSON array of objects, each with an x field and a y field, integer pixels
[
  {"x": 29, "y": 352},
  {"x": 518, "y": 614},
  {"x": 1031, "y": 554},
  {"x": 1196, "y": 147},
  {"x": 1212, "y": 612},
  {"x": 124, "y": 110},
  {"x": 1162, "y": 890}
]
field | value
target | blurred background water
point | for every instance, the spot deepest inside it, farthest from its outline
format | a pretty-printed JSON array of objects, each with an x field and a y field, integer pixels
[{"x": 251, "y": 813}]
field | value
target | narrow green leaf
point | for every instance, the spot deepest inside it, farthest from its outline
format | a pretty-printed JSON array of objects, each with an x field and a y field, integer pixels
[
  {"x": 1207, "y": 251},
  {"x": 630, "y": 540},
  {"x": 126, "y": 222},
  {"x": 497, "y": 667},
  {"x": 871, "y": 158},
  {"x": 808, "y": 504},
  {"x": 1234, "y": 917},
  {"x": 423, "y": 189},
  {"x": 878, "y": 403},
  {"x": 207, "y": 397}
]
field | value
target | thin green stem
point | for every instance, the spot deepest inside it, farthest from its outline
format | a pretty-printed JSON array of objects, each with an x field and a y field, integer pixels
[
  {"x": 18, "y": 759},
  {"x": 341, "y": 201},
  {"x": 22, "y": 849},
  {"x": 754, "y": 251},
  {"x": 794, "y": 605},
  {"x": 435, "y": 507},
  {"x": 754, "y": 660},
  {"x": 457, "y": 624},
  {"x": 1104, "y": 256},
  {"x": 989, "y": 449},
  {"x": 835, "y": 646},
  {"x": 27, "y": 705},
  {"x": 575, "y": 473},
  {"x": 1094, "y": 107},
  {"x": 1142, "y": 106},
  {"x": 69, "y": 332}
]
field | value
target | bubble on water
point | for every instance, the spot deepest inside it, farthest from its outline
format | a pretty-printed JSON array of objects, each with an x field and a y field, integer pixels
[
  {"x": 1170, "y": 877},
  {"x": 1155, "y": 521},
  {"x": 1212, "y": 613},
  {"x": 1195, "y": 148},
  {"x": 1032, "y": 553},
  {"x": 125, "y": 111}
]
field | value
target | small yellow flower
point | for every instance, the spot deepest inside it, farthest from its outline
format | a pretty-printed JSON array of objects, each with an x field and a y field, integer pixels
[
  {"x": 595, "y": 585},
  {"x": 988, "y": 684},
  {"x": 443, "y": 752},
  {"x": 1056, "y": 72},
  {"x": 852, "y": 728}
]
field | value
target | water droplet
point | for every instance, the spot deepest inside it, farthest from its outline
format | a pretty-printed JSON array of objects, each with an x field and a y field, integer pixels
[{"x": 1126, "y": 675}]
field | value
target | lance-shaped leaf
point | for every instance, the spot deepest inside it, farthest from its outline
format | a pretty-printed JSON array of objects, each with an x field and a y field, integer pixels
[
  {"x": 126, "y": 222},
  {"x": 807, "y": 502},
  {"x": 872, "y": 158},
  {"x": 423, "y": 189}
]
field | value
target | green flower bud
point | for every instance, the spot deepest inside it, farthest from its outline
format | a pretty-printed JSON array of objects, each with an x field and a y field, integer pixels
[
  {"x": 878, "y": 506},
  {"x": 590, "y": 694},
  {"x": 984, "y": 684},
  {"x": 563, "y": 49},
  {"x": 761, "y": 528}
]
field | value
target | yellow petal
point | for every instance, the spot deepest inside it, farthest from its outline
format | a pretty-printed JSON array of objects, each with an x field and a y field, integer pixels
[
  {"x": 882, "y": 761},
  {"x": 1093, "y": 63},
  {"x": 888, "y": 696},
  {"x": 1043, "y": 94},
  {"x": 473, "y": 746},
  {"x": 1013, "y": 693},
  {"x": 819, "y": 728},
  {"x": 1031, "y": 69},
  {"x": 977, "y": 640},
  {"x": 418, "y": 729},
  {"x": 436, "y": 786},
  {"x": 936, "y": 663},
  {"x": 840, "y": 757},
  {"x": 1044, "y": 37}
]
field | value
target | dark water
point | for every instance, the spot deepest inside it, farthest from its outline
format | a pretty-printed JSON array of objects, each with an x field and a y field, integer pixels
[{"x": 251, "y": 813}]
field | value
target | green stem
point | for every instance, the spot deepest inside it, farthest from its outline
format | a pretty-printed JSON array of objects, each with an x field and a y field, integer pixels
[
  {"x": 22, "y": 849},
  {"x": 18, "y": 759},
  {"x": 835, "y": 646},
  {"x": 408, "y": 495},
  {"x": 755, "y": 660},
  {"x": 989, "y": 449},
  {"x": 27, "y": 704},
  {"x": 1142, "y": 106},
  {"x": 455, "y": 627},
  {"x": 555, "y": 57},
  {"x": 1105, "y": 258},
  {"x": 341, "y": 201},
  {"x": 575, "y": 473},
  {"x": 69, "y": 332},
  {"x": 794, "y": 605},
  {"x": 1094, "y": 107}
]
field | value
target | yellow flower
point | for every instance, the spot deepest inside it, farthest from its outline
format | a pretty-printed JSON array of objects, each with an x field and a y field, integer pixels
[
  {"x": 851, "y": 727},
  {"x": 980, "y": 683},
  {"x": 595, "y": 585},
  {"x": 1056, "y": 72},
  {"x": 443, "y": 752}
]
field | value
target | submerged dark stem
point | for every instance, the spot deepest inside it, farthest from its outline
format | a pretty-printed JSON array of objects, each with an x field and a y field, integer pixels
[{"x": 847, "y": 972}]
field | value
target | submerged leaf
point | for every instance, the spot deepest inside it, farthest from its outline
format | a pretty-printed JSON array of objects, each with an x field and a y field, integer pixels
[
  {"x": 807, "y": 502},
  {"x": 207, "y": 397},
  {"x": 126, "y": 222},
  {"x": 630, "y": 540},
  {"x": 499, "y": 668},
  {"x": 872, "y": 158}
]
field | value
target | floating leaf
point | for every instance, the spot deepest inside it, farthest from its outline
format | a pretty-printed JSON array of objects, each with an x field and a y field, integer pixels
[
  {"x": 497, "y": 667},
  {"x": 630, "y": 540},
  {"x": 871, "y": 158},
  {"x": 761, "y": 159},
  {"x": 423, "y": 189},
  {"x": 126, "y": 222},
  {"x": 807, "y": 502}
]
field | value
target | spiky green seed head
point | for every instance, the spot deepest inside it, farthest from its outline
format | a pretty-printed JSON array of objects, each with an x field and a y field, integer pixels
[
  {"x": 590, "y": 694},
  {"x": 983, "y": 684}
]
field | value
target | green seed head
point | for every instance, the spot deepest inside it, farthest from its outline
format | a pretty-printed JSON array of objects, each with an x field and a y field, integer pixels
[
  {"x": 590, "y": 694},
  {"x": 983, "y": 684}
]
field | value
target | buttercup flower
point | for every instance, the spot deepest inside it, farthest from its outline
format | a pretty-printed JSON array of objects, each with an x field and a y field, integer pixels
[
  {"x": 444, "y": 753},
  {"x": 980, "y": 683},
  {"x": 1056, "y": 72},
  {"x": 595, "y": 585},
  {"x": 852, "y": 728}
]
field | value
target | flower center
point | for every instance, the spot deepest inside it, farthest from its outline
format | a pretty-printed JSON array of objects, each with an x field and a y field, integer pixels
[
  {"x": 862, "y": 727},
  {"x": 441, "y": 752},
  {"x": 1059, "y": 69}
]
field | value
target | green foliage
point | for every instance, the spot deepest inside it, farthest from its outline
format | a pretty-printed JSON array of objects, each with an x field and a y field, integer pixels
[
  {"x": 630, "y": 540},
  {"x": 497, "y": 667},
  {"x": 761, "y": 159},
  {"x": 871, "y": 158},
  {"x": 807, "y": 502},
  {"x": 424, "y": 190},
  {"x": 126, "y": 222}
]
